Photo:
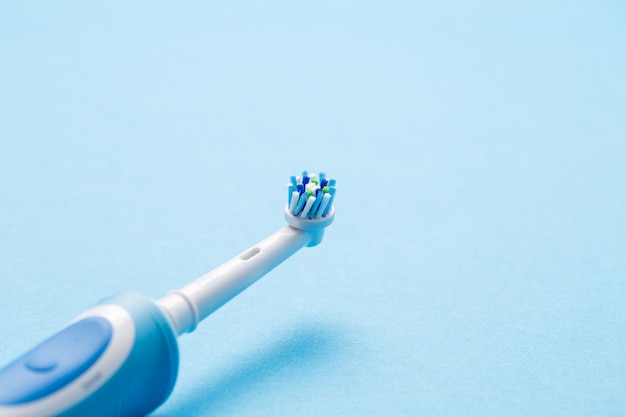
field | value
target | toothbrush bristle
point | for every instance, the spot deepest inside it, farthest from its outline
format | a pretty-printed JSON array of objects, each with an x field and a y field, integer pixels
[{"x": 310, "y": 196}]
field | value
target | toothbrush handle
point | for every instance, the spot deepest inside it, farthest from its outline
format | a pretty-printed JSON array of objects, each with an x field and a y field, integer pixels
[
  {"x": 194, "y": 302},
  {"x": 119, "y": 359}
]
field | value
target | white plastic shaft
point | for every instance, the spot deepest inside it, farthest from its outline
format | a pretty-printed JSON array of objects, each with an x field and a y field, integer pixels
[{"x": 192, "y": 303}]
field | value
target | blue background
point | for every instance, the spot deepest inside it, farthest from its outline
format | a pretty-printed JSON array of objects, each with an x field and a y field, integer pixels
[{"x": 477, "y": 263}]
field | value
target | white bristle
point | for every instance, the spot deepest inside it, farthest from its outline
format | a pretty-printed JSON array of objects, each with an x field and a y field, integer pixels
[
  {"x": 294, "y": 201},
  {"x": 309, "y": 203}
]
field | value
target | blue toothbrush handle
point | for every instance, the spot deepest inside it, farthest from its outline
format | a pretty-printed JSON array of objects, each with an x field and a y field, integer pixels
[{"x": 118, "y": 359}]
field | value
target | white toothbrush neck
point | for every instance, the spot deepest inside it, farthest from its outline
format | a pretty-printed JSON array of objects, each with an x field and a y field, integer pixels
[{"x": 194, "y": 302}]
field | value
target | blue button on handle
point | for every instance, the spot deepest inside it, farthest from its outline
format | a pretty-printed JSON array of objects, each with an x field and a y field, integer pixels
[
  {"x": 56, "y": 362},
  {"x": 41, "y": 361}
]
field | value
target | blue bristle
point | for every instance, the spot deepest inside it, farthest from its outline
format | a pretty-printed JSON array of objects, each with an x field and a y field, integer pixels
[
  {"x": 301, "y": 204},
  {"x": 321, "y": 176},
  {"x": 300, "y": 188},
  {"x": 332, "y": 183},
  {"x": 324, "y": 183},
  {"x": 290, "y": 190},
  {"x": 318, "y": 200},
  {"x": 305, "y": 180},
  {"x": 310, "y": 201},
  {"x": 322, "y": 207},
  {"x": 293, "y": 180}
]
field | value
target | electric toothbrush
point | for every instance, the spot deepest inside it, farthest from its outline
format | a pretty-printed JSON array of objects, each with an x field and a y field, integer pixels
[{"x": 120, "y": 358}]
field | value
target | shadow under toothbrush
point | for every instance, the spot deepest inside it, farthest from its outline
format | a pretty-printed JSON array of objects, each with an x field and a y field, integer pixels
[{"x": 308, "y": 346}]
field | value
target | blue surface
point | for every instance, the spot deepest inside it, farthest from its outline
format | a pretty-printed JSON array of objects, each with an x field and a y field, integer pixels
[{"x": 476, "y": 263}]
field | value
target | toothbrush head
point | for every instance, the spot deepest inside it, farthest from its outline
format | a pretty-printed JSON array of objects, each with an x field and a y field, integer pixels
[{"x": 310, "y": 201}]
